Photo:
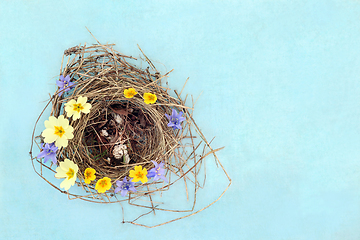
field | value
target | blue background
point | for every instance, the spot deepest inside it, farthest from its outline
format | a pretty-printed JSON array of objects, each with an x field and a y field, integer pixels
[{"x": 281, "y": 90}]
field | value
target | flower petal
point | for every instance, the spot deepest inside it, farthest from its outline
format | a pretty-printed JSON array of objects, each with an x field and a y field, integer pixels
[
  {"x": 70, "y": 103},
  {"x": 75, "y": 167},
  {"x": 163, "y": 178},
  {"x": 138, "y": 168},
  {"x": 69, "y": 111},
  {"x": 65, "y": 165},
  {"x": 155, "y": 163},
  {"x": 62, "y": 121},
  {"x": 51, "y": 122},
  {"x": 69, "y": 132},
  {"x": 76, "y": 115},
  {"x": 71, "y": 85},
  {"x": 119, "y": 183},
  {"x": 69, "y": 107},
  {"x": 60, "y": 173},
  {"x": 53, "y": 159},
  {"x": 69, "y": 129},
  {"x": 66, "y": 184},
  {"x": 132, "y": 173},
  {"x": 49, "y": 135},
  {"x": 82, "y": 100},
  {"x": 60, "y": 83},
  {"x": 123, "y": 192},
  {"x": 151, "y": 173},
  {"x": 87, "y": 107},
  {"x": 46, "y": 158},
  {"x": 181, "y": 119},
  {"x": 144, "y": 179},
  {"x": 61, "y": 142},
  {"x": 70, "y": 164},
  {"x": 41, "y": 154}
]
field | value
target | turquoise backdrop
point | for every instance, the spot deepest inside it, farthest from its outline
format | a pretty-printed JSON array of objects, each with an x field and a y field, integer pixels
[{"x": 280, "y": 84}]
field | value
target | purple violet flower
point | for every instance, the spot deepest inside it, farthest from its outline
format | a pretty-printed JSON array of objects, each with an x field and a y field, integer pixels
[
  {"x": 48, "y": 152},
  {"x": 64, "y": 84},
  {"x": 157, "y": 172},
  {"x": 175, "y": 119},
  {"x": 124, "y": 186}
]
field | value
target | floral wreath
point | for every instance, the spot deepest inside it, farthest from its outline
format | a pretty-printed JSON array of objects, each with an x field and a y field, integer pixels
[{"x": 115, "y": 131}]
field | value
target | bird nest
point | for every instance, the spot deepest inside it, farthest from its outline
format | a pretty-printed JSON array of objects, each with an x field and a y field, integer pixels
[{"x": 119, "y": 133}]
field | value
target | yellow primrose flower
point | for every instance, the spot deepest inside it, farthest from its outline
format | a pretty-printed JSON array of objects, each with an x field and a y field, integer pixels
[
  {"x": 149, "y": 98},
  {"x": 139, "y": 174},
  {"x": 57, "y": 130},
  {"x": 68, "y": 170},
  {"x": 74, "y": 108},
  {"x": 103, "y": 184},
  {"x": 89, "y": 175},
  {"x": 129, "y": 93}
]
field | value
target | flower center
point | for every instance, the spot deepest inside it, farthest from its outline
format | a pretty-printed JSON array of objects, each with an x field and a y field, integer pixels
[
  {"x": 175, "y": 120},
  {"x": 70, "y": 173},
  {"x": 126, "y": 186},
  {"x": 59, "y": 130},
  {"x": 140, "y": 175},
  {"x": 88, "y": 174},
  {"x": 103, "y": 183},
  {"x": 78, "y": 107}
]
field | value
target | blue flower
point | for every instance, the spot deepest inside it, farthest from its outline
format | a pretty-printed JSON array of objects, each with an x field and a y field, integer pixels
[
  {"x": 157, "y": 172},
  {"x": 124, "y": 186},
  {"x": 48, "y": 152},
  {"x": 175, "y": 119},
  {"x": 64, "y": 84}
]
